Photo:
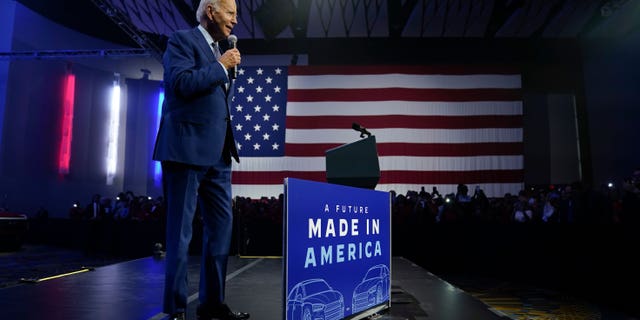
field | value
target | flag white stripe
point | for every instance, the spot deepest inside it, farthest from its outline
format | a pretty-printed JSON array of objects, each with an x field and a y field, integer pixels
[
  {"x": 377, "y": 81},
  {"x": 401, "y": 163},
  {"x": 490, "y": 189},
  {"x": 411, "y": 108},
  {"x": 451, "y": 163},
  {"x": 256, "y": 191},
  {"x": 403, "y": 135}
]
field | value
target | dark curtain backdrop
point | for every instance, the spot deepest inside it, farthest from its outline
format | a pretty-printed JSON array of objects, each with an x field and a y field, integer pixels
[
  {"x": 33, "y": 122},
  {"x": 142, "y": 107},
  {"x": 31, "y": 119},
  {"x": 31, "y": 137}
]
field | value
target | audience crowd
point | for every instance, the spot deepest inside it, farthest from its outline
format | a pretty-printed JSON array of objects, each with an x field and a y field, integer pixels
[
  {"x": 573, "y": 203},
  {"x": 258, "y": 222},
  {"x": 127, "y": 206}
]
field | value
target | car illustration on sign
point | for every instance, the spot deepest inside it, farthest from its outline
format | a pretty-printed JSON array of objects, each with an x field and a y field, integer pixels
[
  {"x": 372, "y": 290},
  {"x": 314, "y": 299}
]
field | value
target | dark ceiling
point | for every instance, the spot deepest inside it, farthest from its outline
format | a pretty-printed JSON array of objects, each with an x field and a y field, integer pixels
[
  {"x": 83, "y": 16},
  {"x": 147, "y": 23}
]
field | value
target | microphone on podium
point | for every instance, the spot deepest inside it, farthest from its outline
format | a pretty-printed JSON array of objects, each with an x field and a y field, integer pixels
[
  {"x": 232, "y": 44},
  {"x": 361, "y": 129}
]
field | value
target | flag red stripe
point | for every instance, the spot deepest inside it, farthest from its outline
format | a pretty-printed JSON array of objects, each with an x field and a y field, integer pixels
[
  {"x": 402, "y": 94},
  {"x": 410, "y": 177},
  {"x": 419, "y": 70},
  {"x": 405, "y": 121},
  {"x": 416, "y": 149}
]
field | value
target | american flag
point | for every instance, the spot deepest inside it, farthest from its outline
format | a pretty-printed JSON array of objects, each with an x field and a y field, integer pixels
[{"x": 434, "y": 126}]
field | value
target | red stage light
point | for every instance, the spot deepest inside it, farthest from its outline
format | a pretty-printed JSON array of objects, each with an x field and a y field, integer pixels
[{"x": 64, "y": 154}]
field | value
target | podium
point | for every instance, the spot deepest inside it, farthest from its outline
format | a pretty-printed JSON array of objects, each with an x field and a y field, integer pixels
[
  {"x": 354, "y": 164},
  {"x": 337, "y": 251}
]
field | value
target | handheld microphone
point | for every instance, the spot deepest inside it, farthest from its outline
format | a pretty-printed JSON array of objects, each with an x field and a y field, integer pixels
[
  {"x": 360, "y": 129},
  {"x": 232, "y": 44}
]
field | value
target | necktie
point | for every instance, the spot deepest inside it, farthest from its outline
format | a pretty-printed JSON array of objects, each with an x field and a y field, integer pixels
[
  {"x": 216, "y": 50},
  {"x": 217, "y": 54}
]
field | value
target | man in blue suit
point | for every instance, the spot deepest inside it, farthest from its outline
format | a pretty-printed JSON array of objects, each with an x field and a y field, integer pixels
[{"x": 195, "y": 145}]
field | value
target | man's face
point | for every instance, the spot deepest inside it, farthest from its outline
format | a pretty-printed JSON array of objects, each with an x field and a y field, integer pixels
[{"x": 223, "y": 19}]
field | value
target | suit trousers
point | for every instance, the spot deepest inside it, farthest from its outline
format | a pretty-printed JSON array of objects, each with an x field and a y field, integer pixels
[{"x": 207, "y": 189}]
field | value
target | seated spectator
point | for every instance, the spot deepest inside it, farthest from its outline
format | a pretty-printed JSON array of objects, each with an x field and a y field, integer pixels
[
  {"x": 522, "y": 211},
  {"x": 462, "y": 194},
  {"x": 76, "y": 212},
  {"x": 106, "y": 208},
  {"x": 550, "y": 210},
  {"x": 93, "y": 211},
  {"x": 121, "y": 207}
]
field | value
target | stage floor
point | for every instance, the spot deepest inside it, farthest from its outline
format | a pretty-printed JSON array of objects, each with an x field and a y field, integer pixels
[{"x": 133, "y": 290}]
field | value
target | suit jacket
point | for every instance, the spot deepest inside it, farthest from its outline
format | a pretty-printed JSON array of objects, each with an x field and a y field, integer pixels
[{"x": 195, "y": 114}]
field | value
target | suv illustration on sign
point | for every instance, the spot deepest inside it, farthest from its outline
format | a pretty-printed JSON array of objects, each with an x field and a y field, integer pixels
[{"x": 372, "y": 290}]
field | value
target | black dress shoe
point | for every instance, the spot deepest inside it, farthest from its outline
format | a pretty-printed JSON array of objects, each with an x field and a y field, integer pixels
[
  {"x": 219, "y": 312},
  {"x": 177, "y": 316}
]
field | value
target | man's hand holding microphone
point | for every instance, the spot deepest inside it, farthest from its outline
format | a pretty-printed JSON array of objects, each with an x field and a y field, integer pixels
[{"x": 231, "y": 58}]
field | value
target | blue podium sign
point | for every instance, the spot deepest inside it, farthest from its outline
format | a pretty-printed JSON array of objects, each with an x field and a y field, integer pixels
[{"x": 337, "y": 251}]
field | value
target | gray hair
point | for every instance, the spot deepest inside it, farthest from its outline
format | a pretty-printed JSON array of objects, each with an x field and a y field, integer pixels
[{"x": 203, "y": 5}]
